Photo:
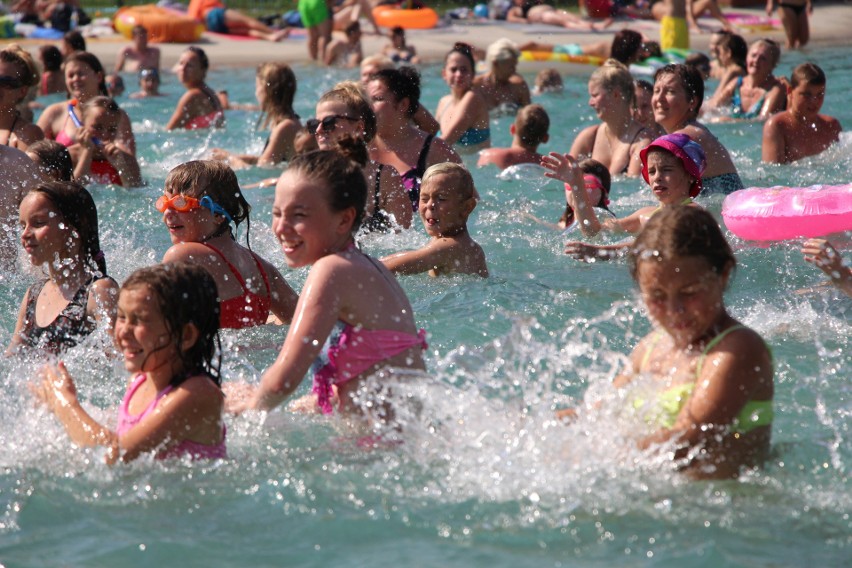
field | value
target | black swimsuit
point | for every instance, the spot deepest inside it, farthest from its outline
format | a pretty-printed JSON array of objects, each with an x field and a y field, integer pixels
[{"x": 379, "y": 221}]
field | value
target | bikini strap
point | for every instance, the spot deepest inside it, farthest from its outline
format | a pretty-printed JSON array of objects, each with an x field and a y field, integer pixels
[
  {"x": 713, "y": 343},
  {"x": 646, "y": 358},
  {"x": 424, "y": 153},
  {"x": 262, "y": 273}
]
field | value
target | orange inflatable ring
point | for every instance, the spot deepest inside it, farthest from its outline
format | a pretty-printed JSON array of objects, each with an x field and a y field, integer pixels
[
  {"x": 390, "y": 16},
  {"x": 163, "y": 25}
]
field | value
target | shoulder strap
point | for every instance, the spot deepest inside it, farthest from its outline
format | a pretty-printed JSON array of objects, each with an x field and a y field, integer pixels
[
  {"x": 647, "y": 356},
  {"x": 713, "y": 343},
  {"x": 424, "y": 153},
  {"x": 262, "y": 273},
  {"x": 230, "y": 266}
]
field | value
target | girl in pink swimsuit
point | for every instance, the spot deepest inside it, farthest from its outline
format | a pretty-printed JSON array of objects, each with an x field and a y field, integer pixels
[
  {"x": 199, "y": 107},
  {"x": 319, "y": 204},
  {"x": 167, "y": 330}
]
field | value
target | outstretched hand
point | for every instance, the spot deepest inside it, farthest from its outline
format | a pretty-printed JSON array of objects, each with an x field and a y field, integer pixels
[
  {"x": 824, "y": 256},
  {"x": 564, "y": 168},
  {"x": 56, "y": 387}
]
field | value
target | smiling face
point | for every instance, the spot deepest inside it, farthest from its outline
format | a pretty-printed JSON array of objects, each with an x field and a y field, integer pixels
[
  {"x": 667, "y": 177},
  {"x": 343, "y": 126},
  {"x": 190, "y": 226},
  {"x": 759, "y": 60},
  {"x": 82, "y": 81},
  {"x": 457, "y": 72},
  {"x": 45, "y": 236},
  {"x": 303, "y": 221},
  {"x": 672, "y": 106},
  {"x": 141, "y": 333},
  {"x": 442, "y": 209},
  {"x": 683, "y": 295}
]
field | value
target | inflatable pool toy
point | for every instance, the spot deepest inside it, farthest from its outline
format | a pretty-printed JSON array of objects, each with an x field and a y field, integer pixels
[
  {"x": 163, "y": 25},
  {"x": 418, "y": 19},
  {"x": 554, "y": 57},
  {"x": 755, "y": 22},
  {"x": 781, "y": 213},
  {"x": 524, "y": 172},
  {"x": 647, "y": 67}
]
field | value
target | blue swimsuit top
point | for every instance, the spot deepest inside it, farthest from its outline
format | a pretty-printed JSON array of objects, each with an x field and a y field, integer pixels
[{"x": 474, "y": 136}]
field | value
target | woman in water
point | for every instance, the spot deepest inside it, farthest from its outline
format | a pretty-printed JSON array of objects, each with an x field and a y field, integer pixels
[
  {"x": 395, "y": 96},
  {"x": 617, "y": 140},
  {"x": 59, "y": 228},
  {"x": 84, "y": 76},
  {"x": 275, "y": 89},
  {"x": 15, "y": 81},
  {"x": 345, "y": 334},
  {"x": 759, "y": 94},
  {"x": 463, "y": 114},
  {"x": 173, "y": 404},
  {"x": 199, "y": 107},
  {"x": 344, "y": 112},
  {"x": 200, "y": 201},
  {"x": 678, "y": 94}
]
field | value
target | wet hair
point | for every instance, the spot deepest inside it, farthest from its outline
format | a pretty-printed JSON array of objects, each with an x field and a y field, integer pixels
[
  {"x": 600, "y": 171},
  {"x": 279, "y": 85},
  {"x": 27, "y": 70},
  {"x": 351, "y": 94},
  {"x": 185, "y": 293},
  {"x": 75, "y": 40},
  {"x": 465, "y": 50},
  {"x": 202, "y": 57},
  {"x": 737, "y": 46},
  {"x": 304, "y": 141},
  {"x": 216, "y": 179},
  {"x": 532, "y": 125},
  {"x": 354, "y": 148},
  {"x": 78, "y": 209},
  {"x": 51, "y": 57},
  {"x": 625, "y": 45},
  {"x": 105, "y": 103},
  {"x": 644, "y": 85},
  {"x": 379, "y": 60},
  {"x": 461, "y": 180},
  {"x": 653, "y": 48},
  {"x": 809, "y": 74},
  {"x": 679, "y": 232},
  {"x": 93, "y": 63},
  {"x": 404, "y": 83},
  {"x": 613, "y": 76},
  {"x": 548, "y": 80},
  {"x": 352, "y": 27},
  {"x": 53, "y": 159},
  {"x": 690, "y": 79},
  {"x": 699, "y": 61},
  {"x": 342, "y": 177},
  {"x": 773, "y": 48}
]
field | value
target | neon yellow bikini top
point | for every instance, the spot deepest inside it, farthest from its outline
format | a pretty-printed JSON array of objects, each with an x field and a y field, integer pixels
[{"x": 669, "y": 403}]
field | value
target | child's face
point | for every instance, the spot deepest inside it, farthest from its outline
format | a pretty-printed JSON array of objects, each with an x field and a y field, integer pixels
[
  {"x": 643, "y": 112},
  {"x": 193, "y": 226},
  {"x": 45, "y": 238},
  {"x": 458, "y": 72},
  {"x": 140, "y": 332},
  {"x": 81, "y": 79},
  {"x": 303, "y": 221},
  {"x": 667, "y": 177},
  {"x": 102, "y": 123},
  {"x": 149, "y": 83},
  {"x": 807, "y": 99},
  {"x": 683, "y": 295},
  {"x": 443, "y": 211}
]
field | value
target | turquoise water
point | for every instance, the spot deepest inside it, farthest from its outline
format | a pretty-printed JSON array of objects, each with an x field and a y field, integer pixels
[{"x": 484, "y": 478}]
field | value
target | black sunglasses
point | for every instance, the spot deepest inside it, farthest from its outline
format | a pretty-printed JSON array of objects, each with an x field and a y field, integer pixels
[
  {"x": 329, "y": 123},
  {"x": 8, "y": 82}
]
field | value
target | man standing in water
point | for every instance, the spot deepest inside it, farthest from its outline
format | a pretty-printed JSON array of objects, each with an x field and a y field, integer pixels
[{"x": 19, "y": 173}]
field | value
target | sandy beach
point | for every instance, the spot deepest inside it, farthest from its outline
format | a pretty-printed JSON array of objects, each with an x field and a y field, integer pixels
[{"x": 830, "y": 25}]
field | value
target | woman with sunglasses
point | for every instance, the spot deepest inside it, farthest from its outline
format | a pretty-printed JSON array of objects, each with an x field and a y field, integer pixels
[
  {"x": 15, "y": 80},
  {"x": 200, "y": 201},
  {"x": 344, "y": 112},
  {"x": 395, "y": 96},
  {"x": 84, "y": 77}
]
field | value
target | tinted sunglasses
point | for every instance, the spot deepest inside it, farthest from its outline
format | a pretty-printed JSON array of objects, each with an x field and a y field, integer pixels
[
  {"x": 185, "y": 203},
  {"x": 329, "y": 123},
  {"x": 9, "y": 82}
]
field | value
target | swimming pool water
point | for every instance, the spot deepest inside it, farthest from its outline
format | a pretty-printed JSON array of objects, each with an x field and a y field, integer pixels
[{"x": 484, "y": 476}]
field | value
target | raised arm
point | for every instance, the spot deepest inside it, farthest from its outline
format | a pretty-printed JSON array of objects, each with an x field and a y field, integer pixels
[
  {"x": 463, "y": 117},
  {"x": 434, "y": 256}
]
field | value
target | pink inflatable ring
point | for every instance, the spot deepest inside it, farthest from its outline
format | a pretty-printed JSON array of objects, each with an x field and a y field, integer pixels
[{"x": 781, "y": 213}]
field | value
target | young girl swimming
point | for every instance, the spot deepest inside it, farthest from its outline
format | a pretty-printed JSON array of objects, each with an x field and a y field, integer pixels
[
  {"x": 199, "y": 107},
  {"x": 672, "y": 165},
  {"x": 463, "y": 114},
  {"x": 96, "y": 155},
  {"x": 714, "y": 374},
  {"x": 173, "y": 405},
  {"x": 59, "y": 228},
  {"x": 200, "y": 201},
  {"x": 345, "y": 334}
]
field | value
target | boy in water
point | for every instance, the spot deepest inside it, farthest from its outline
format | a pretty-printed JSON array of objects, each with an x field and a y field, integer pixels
[
  {"x": 447, "y": 198},
  {"x": 801, "y": 131},
  {"x": 528, "y": 132},
  {"x": 346, "y": 52},
  {"x": 139, "y": 55}
]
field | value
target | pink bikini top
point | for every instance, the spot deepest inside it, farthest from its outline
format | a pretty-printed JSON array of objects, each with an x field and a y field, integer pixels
[{"x": 187, "y": 447}]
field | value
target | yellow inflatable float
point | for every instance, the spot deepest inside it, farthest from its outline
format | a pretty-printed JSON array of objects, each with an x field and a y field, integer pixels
[{"x": 163, "y": 25}]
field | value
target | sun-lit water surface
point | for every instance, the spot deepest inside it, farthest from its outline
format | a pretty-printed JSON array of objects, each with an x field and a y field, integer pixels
[{"x": 484, "y": 477}]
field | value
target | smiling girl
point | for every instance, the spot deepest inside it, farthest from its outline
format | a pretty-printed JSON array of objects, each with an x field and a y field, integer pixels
[{"x": 463, "y": 114}]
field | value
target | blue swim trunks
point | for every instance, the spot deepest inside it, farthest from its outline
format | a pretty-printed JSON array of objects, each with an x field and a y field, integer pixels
[
  {"x": 215, "y": 20},
  {"x": 568, "y": 49}
]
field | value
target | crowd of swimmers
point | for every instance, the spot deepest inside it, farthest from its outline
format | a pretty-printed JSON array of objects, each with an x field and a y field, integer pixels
[{"x": 369, "y": 160}]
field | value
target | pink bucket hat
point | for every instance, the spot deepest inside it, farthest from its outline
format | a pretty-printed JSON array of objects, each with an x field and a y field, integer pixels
[{"x": 687, "y": 150}]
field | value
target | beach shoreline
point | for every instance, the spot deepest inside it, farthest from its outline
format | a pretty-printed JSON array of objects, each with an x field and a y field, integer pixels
[{"x": 830, "y": 26}]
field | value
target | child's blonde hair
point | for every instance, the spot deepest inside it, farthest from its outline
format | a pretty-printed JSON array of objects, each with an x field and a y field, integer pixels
[
  {"x": 462, "y": 180},
  {"x": 613, "y": 76}
]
